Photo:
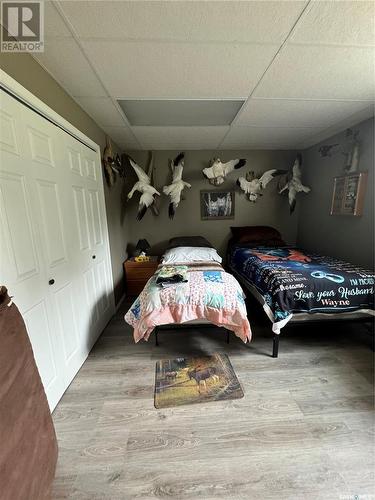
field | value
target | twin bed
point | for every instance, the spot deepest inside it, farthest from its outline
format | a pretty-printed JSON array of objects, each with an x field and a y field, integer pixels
[
  {"x": 208, "y": 294},
  {"x": 292, "y": 286}
]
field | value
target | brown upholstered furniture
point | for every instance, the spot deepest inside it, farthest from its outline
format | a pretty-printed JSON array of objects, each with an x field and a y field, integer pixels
[{"x": 28, "y": 447}]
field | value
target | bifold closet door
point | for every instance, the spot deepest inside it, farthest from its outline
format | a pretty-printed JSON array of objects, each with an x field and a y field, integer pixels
[
  {"x": 22, "y": 257},
  {"x": 83, "y": 175},
  {"x": 54, "y": 250}
]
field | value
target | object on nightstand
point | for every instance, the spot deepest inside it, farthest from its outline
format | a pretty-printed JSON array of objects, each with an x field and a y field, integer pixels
[
  {"x": 141, "y": 248},
  {"x": 142, "y": 258}
]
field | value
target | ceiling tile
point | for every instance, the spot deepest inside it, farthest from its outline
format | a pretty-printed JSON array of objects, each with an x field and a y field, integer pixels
[
  {"x": 179, "y": 70},
  {"x": 123, "y": 137},
  {"x": 54, "y": 25},
  {"x": 180, "y": 137},
  {"x": 249, "y": 21},
  {"x": 66, "y": 63},
  {"x": 349, "y": 122},
  {"x": 102, "y": 110},
  {"x": 296, "y": 113},
  {"x": 266, "y": 137},
  {"x": 333, "y": 22},
  {"x": 313, "y": 72}
]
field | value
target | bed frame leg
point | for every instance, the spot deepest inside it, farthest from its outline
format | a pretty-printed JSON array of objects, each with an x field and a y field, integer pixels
[
  {"x": 156, "y": 337},
  {"x": 227, "y": 336},
  {"x": 275, "y": 351}
]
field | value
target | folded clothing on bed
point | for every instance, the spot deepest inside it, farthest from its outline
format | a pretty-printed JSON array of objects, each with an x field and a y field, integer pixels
[
  {"x": 170, "y": 275},
  {"x": 210, "y": 293}
]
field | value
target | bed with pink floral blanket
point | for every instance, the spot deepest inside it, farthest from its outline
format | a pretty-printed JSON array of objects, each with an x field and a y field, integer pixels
[{"x": 209, "y": 294}]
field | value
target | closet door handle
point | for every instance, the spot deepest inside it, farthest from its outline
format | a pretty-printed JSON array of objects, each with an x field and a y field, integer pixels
[
  {"x": 94, "y": 256},
  {"x": 51, "y": 282}
]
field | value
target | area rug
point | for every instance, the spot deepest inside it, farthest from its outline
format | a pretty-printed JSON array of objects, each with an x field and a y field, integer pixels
[{"x": 184, "y": 381}]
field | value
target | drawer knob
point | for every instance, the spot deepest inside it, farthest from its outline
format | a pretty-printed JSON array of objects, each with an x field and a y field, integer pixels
[
  {"x": 94, "y": 256},
  {"x": 51, "y": 282}
]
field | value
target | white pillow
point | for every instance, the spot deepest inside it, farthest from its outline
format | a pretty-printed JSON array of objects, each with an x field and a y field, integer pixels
[{"x": 191, "y": 254}]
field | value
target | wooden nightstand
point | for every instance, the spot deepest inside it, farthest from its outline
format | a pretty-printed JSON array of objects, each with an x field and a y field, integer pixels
[{"x": 138, "y": 273}]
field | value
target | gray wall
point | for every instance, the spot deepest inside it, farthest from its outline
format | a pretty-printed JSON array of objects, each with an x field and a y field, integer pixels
[
  {"x": 271, "y": 209},
  {"x": 346, "y": 237},
  {"x": 24, "y": 69},
  {"x": 350, "y": 238}
]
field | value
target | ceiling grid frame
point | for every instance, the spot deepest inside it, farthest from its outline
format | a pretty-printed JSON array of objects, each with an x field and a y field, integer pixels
[
  {"x": 68, "y": 24},
  {"x": 304, "y": 10},
  {"x": 294, "y": 20}
]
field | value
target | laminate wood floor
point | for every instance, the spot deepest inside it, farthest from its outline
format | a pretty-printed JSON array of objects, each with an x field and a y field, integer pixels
[{"x": 304, "y": 429}]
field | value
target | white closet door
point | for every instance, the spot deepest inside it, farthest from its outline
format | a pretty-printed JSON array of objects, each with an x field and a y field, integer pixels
[
  {"x": 54, "y": 242},
  {"x": 52, "y": 211},
  {"x": 91, "y": 244},
  {"x": 22, "y": 262}
]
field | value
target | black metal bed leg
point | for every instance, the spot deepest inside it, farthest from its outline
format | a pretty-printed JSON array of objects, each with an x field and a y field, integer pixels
[
  {"x": 156, "y": 337},
  {"x": 227, "y": 336},
  {"x": 275, "y": 351}
]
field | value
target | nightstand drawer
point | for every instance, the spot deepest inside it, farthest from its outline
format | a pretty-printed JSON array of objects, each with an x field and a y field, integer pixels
[
  {"x": 134, "y": 287},
  {"x": 140, "y": 273}
]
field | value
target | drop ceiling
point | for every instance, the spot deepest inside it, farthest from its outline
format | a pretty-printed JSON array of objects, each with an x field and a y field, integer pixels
[
  {"x": 302, "y": 69},
  {"x": 182, "y": 113}
]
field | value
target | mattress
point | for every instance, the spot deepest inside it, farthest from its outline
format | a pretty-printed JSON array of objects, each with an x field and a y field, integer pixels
[{"x": 293, "y": 284}]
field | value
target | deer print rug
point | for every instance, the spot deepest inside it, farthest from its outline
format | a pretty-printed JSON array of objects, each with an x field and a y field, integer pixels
[{"x": 195, "y": 380}]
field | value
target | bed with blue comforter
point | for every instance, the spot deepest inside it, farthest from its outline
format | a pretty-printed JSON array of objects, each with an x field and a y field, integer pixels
[{"x": 290, "y": 281}]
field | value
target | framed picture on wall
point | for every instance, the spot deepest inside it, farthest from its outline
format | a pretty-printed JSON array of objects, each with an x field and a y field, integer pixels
[
  {"x": 349, "y": 194},
  {"x": 217, "y": 204}
]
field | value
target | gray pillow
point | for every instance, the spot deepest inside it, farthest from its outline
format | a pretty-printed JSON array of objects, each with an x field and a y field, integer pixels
[{"x": 189, "y": 241}]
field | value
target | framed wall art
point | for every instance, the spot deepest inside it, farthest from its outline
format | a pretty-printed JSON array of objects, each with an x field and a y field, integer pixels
[
  {"x": 349, "y": 194},
  {"x": 217, "y": 204}
]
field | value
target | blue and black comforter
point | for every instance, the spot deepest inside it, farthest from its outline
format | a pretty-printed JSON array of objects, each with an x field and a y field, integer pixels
[{"x": 291, "y": 281}]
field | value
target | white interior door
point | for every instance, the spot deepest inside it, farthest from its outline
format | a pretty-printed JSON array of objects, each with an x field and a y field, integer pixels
[
  {"x": 52, "y": 211},
  {"x": 22, "y": 262},
  {"x": 85, "y": 184},
  {"x": 54, "y": 242}
]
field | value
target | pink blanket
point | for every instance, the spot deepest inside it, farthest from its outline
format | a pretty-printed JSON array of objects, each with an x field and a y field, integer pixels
[{"x": 210, "y": 294}]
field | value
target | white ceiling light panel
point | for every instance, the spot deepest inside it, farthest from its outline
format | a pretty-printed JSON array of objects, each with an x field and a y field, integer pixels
[
  {"x": 171, "y": 112},
  {"x": 180, "y": 137}
]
